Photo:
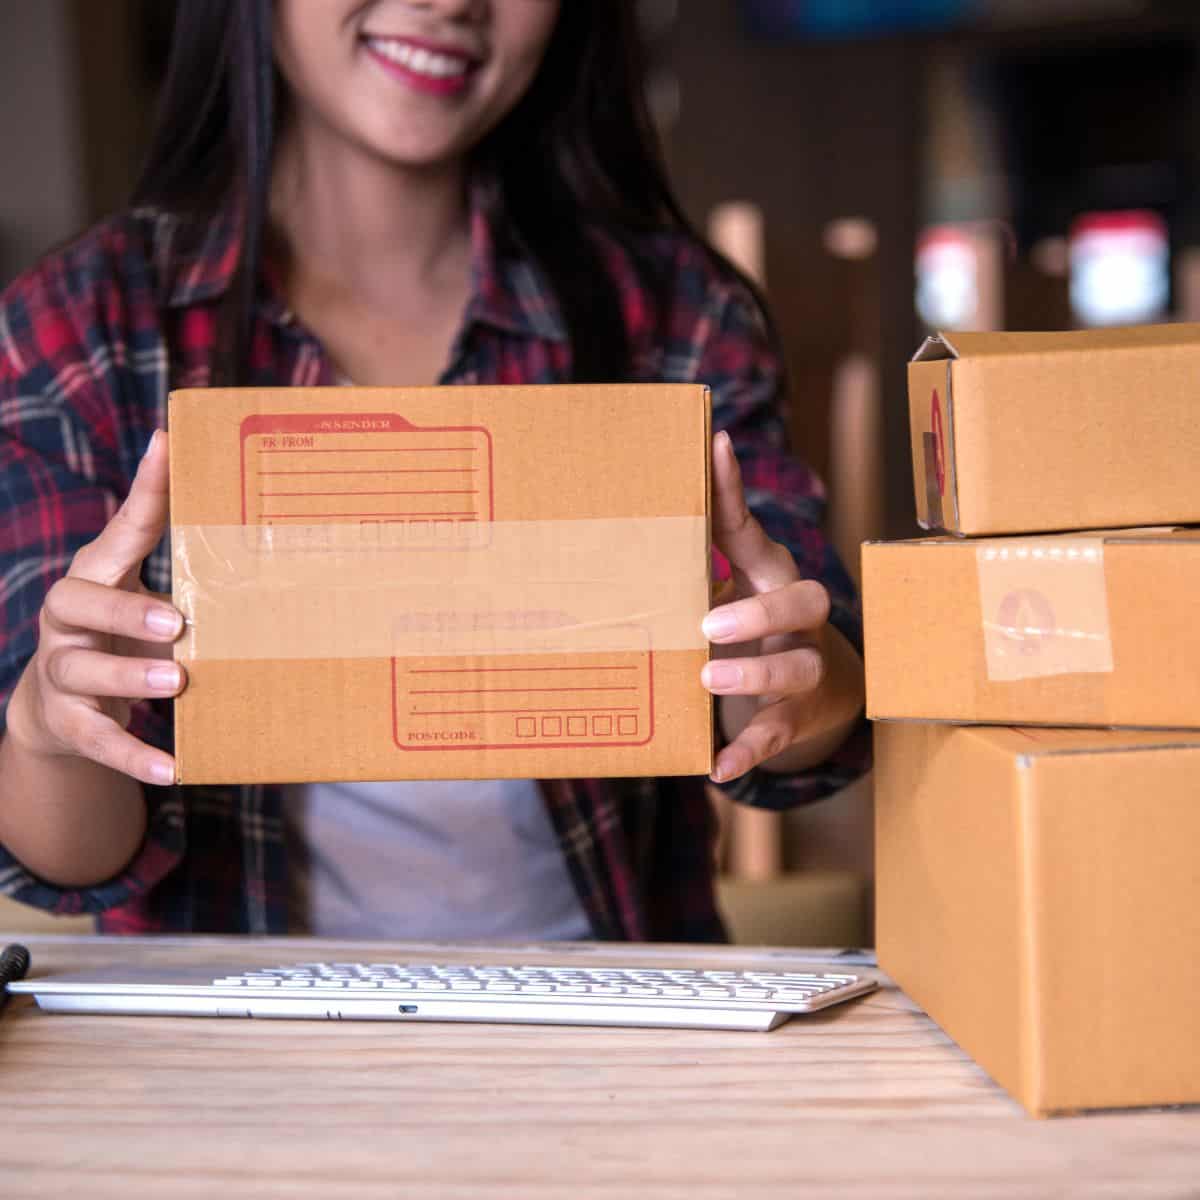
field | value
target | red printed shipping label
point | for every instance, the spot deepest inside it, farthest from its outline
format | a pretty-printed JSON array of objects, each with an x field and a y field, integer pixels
[{"x": 365, "y": 467}]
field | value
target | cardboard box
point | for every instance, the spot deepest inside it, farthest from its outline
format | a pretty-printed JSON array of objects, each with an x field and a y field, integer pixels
[
  {"x": 1030, "y": 432},
  {"x": 1088, "y": 629},
  {"x": 421, "y": 583},
  {"x": 1038, "y": 896}
]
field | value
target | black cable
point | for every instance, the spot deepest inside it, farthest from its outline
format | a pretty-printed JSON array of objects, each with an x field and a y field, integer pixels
[{"x": 14, "y": 962}]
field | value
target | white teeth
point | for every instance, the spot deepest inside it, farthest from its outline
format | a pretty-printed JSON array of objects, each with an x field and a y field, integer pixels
[
  {"x": 419, "y": 60},
  {"x": 395, "y": 51}
]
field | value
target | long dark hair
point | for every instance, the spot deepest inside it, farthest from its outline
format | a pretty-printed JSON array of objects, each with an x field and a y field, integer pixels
[{"x": 577, "y": 153}]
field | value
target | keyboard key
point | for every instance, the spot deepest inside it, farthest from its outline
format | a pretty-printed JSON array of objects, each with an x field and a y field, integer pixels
[{"x": 786, "y": 977}]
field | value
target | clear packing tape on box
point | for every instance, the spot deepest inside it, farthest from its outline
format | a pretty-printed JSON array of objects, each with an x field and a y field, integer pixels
[
  {"x": 377, "y": 590},
  {"x": 1044, "y": 603}
]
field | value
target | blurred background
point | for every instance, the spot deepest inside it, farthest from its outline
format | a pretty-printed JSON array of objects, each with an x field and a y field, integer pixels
[{"x": 884, "y": 167}]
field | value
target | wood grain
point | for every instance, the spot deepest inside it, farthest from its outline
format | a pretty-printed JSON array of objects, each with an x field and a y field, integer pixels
[{"x": 869, "y": 1100}]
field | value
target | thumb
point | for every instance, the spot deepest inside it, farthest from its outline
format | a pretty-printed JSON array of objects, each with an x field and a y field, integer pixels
[{"x": 137, "y": 525}]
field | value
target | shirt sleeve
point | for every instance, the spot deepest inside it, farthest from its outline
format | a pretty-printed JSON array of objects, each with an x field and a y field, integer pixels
[
  {"x": 61, "y": 479},
  {"x": 734, "y": 357}
]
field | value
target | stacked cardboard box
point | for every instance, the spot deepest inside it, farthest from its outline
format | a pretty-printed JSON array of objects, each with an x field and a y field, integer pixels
[{"x": 1038, "y": 756}]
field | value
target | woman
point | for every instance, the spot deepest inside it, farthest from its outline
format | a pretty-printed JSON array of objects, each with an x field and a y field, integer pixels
[{"x": 391, "y": 192}]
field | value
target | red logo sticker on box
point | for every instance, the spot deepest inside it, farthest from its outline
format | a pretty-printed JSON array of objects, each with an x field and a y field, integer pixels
[
  {"x": 1025, "y": 618},
  {"x": 939, "y": 441},
  {"x": 1044, "y": 604}
]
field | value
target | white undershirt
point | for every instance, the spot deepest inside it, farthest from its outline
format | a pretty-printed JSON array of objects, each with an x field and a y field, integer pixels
[{"x": 433, "y": 860}]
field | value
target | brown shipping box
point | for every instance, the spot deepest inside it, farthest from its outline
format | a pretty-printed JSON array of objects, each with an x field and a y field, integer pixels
[
  {"x": 1038, "y": 896},
  {"x": 1031, "y": 432},
  {"x": 1087, "y": 629},
  {"x": 441, "y": 583}
]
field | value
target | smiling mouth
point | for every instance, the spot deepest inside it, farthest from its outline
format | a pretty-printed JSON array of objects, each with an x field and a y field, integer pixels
[{"x": 423, "y": 61}]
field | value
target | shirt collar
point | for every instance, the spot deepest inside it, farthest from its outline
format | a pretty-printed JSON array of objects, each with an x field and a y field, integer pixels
[
  {"x": 507, "y": 291},
  {"x": 196, "y": 260}
]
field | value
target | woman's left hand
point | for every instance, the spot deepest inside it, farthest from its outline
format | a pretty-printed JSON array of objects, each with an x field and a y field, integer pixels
[{"x": 795, "y": 688}]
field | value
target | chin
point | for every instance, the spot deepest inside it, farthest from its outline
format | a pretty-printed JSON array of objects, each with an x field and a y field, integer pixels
[
  {"x": 423, "y": 152},
  {"x": 410, "y": 159}
]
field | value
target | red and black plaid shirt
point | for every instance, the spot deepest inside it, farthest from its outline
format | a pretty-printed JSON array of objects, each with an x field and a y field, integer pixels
[{"x": 92, "y": 339}]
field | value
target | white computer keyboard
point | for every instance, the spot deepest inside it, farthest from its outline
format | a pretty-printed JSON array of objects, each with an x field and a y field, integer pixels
[
  {"x": 652, "y": 995},
  {"x": 779, "y": 991}
]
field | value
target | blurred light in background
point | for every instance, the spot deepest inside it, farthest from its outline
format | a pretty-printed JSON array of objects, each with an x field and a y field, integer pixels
[
  {"x": 947, "y": 271},
  {"x": 852, "y": 238},
  {"x": 738, "y": 231},
  {"x": 1120, "y": 268}
]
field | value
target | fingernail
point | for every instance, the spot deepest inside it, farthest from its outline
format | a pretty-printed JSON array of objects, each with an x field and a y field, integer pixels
[
  {"x": 153, "y": 439},
  {"x": 719, "y": 626},
  {"x": 725, "y": 440},
  {"x": 164, "y": 678},
  {"x": 163, "y": 621},
  {"x": 720, "y": 676},
  {"x": 162, "y": 772}
]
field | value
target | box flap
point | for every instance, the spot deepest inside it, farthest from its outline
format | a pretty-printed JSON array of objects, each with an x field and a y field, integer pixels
[
  {"x": 969, "y": 344},
  {"x": 1156, "y": 535},
  {"x": 935, "y": 348},
  {"x": 1026, "y": 742}
]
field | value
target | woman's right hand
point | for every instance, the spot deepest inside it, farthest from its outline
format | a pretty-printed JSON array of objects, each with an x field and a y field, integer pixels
[{"x": 104, "y": 641}]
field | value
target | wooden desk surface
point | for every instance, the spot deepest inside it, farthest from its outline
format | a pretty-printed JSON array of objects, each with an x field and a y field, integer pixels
[{"x": 867, "y": 1100}]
